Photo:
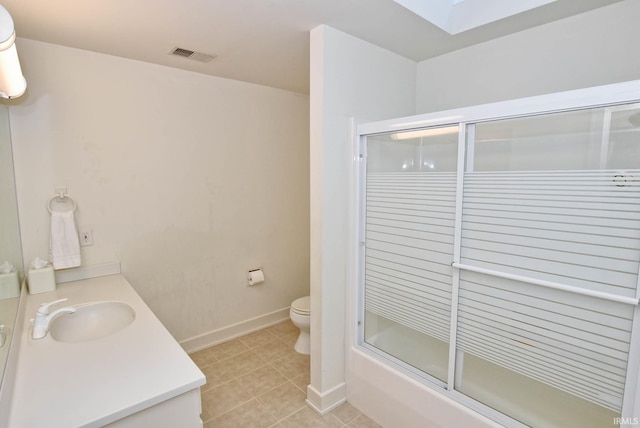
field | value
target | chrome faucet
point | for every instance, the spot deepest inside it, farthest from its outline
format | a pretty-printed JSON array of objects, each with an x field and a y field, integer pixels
[{"x": 43, "y": 318}]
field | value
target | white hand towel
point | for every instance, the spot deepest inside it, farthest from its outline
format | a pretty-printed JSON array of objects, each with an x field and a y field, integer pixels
[{"x": 64, "y": 245}]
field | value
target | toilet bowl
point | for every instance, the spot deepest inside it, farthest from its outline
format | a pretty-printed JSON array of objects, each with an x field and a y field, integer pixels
[{"x": 300, "y": 315}]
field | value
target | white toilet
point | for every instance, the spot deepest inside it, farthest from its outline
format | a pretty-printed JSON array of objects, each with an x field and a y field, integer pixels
[{"x": 300, "y": 314}]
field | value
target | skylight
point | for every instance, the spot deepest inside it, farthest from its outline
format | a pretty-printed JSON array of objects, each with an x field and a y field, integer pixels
[{"x": 456, "y": 16}]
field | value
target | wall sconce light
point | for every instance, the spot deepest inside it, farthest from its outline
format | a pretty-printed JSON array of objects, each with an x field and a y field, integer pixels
[{"x": 12, "y": 82}]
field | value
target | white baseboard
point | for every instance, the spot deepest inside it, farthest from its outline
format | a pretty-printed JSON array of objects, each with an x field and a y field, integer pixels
[
  {"x": 235, "y": 330},
  {"x": 324, "y": 402}
]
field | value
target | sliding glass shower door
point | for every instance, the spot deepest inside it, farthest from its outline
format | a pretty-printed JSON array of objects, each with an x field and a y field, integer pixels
[
  {"x": 550, "y": 200},
  {"x": 503, "y": 265},
  {"x": 410, "y": 211}
]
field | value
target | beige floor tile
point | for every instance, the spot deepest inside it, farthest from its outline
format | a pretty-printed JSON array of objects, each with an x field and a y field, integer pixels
[
  {"x": 282, "y": 328},
  {"x": 307, "y": 418},
  {"x": 205, "y": 415},
  {"x": 223, "y": 398},
  {"x": 261, "y": 380},
  {"x": 346, "y": 413},
  {"x": 228, "y": 349},
  {"x": 283, "y": 401},
  {"x": 302, "y": 381},
  {"x": 244, "y": 363},
  {"x": 363, "y": 421},
  {"x": 290, "y": 338},
  {"x": 292, "y": 366},
  {"x": 217, "y": 374},
  {"x": 275, "y": 350},
  {"x": 257, "y": 339},
  {"x": 203, "y": 358},
  {"x": 248, "y": 415}
]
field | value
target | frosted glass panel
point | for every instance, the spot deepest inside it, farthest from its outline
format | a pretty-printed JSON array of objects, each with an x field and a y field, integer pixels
[{"x": 577, "y": 228}]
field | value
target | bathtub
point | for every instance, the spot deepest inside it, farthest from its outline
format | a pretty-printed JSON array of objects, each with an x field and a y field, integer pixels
[{"x": 399, "y": 395}]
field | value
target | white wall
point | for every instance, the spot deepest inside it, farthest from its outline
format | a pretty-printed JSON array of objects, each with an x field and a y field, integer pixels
[
  {"x": 189, "y": 180},
  {"x": 594, "y": 48},
  {"x": 349, "y": 78}
]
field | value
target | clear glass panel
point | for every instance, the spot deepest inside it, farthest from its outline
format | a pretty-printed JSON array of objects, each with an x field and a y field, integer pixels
[
  {"x": 426, "y": 150},
  {"x": 531, "y": 402},
  {"x": 623, "y": 150},
  {"x": 600, "y": 138},
  {"x": 419, "y": 350},
  {"x": 410, "y": 205}
]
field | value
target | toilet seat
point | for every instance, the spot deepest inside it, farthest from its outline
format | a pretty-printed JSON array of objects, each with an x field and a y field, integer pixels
[{"x": 301, "y": 306}]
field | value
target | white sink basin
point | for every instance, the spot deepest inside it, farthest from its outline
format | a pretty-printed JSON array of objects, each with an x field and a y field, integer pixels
[{"x": 91, "y": 321}]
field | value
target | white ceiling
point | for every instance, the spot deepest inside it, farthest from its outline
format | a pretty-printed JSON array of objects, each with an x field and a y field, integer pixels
[{"x": 259, "y": 41}]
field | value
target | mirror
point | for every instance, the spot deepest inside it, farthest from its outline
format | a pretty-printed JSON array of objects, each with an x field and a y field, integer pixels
[{"x": 10, "y": 246}]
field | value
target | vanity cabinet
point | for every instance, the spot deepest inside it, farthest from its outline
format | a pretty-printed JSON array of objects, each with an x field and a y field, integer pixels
[
  {"x": 137, "y": 376},
  {"x": 181, "y": 411}
]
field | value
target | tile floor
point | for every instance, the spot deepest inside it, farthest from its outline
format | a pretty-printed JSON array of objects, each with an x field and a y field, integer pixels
[{"x": 258, "y": 380}]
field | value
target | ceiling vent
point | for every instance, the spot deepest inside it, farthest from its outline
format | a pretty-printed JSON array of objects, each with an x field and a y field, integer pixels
[{"x": 193, "y": 55}]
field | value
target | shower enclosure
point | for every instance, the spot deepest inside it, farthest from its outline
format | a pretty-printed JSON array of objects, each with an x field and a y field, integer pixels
[{"x": 499, "y": 250}]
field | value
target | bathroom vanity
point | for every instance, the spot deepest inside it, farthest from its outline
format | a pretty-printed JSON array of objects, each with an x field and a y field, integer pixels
[{"x": 134, "y": 375}]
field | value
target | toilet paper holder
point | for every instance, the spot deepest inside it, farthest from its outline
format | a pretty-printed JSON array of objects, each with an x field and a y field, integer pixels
[{"x": 255, "y": 276}]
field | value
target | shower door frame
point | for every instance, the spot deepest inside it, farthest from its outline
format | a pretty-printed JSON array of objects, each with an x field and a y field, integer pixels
[{"x": 601, "y": 96}]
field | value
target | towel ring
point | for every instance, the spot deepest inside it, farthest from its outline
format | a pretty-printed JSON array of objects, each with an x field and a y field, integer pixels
[{"x": 61, "y": 196}]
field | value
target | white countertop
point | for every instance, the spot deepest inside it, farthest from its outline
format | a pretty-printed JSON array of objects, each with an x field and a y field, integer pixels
[{"x": 97, "y": 382}]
